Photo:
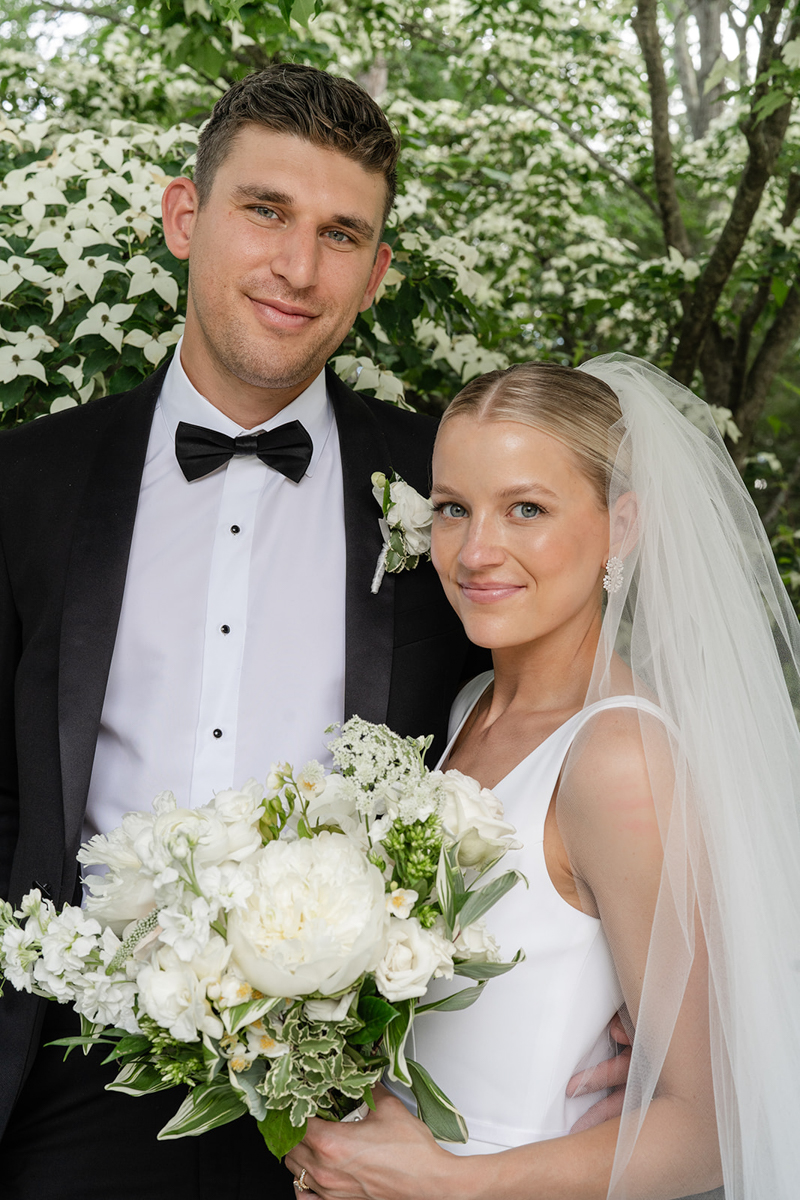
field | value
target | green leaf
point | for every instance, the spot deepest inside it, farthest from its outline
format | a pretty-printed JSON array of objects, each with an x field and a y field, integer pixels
[
  {"x": 247, "y": 1082},
  {"x": 138, "y": 1079},
  {"x": 780, "y": 291},
  {"x": 377, "y": 1014},
  {"x": 455, "y": 1002},
  {"x": 479, "y": 902},
  {"x": 486, "y": 970},
  {"x": 206, "y": 1107},
  {"x": 279, "y": 1133},
  {"x": 436, "y": 1110},
  {"x": 446, "y": 876},
  {"x": 769, "y": 103},
  {"x": 394, "y": 1040}
]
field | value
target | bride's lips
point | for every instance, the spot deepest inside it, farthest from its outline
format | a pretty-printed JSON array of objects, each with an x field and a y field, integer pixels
[
  {"x": 280, "y": 315},
  {"x": 489, "y": 591}
]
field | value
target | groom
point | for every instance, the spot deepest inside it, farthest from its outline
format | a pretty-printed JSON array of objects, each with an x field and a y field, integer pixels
[{"x": 182, "y": 600}]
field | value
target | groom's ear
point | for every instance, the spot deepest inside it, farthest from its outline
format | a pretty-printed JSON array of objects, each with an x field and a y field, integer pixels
[
  {"x": 624, "y": 523},
  {"x": 179, "y": 208}
]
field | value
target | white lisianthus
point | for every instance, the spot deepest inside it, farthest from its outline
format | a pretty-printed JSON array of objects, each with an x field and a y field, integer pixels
[
  {"x": 414, "y": 956},
  {"x": 477, "y": 944},
  {"x": 337, "y": 804},
  {"x": 171, "y": 993},
  {"x": 315, "y": 921},
  {"x": 400, "y": 902},
  {"x": 328, "y": 1010},
  {"x": 413, "y": 513},
  {"x": 120, "y": 897},
  {"x": 472, "y": 817}
]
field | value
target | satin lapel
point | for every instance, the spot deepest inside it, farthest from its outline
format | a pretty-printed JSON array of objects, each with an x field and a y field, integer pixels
[
  {"x": 369, "y": 620},
  {"x": 93, "y": 592}
]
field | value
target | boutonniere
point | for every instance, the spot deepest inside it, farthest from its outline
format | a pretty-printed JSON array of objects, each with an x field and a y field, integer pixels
[{"x": 405, "y": 525}]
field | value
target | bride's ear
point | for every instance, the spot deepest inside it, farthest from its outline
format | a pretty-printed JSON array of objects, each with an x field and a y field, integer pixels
[{"x": 624, "y": 525}]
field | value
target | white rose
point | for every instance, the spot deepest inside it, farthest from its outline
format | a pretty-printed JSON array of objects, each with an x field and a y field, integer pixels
[
  {"x": 414, "y": 513},
  {"x": 315, "y": 921},
  {"x": 171, "y": 993},
  {"x": 414, "y": 957},
  {"x": 328, "y": 1010},
  {"x": 244, "y": 805},
  {"x": 477, "y": 944},
  {"x": 473, "y": 817}
]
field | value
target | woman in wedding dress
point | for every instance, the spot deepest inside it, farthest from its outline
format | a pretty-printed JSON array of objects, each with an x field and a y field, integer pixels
[{"x": 640, "y": 728}]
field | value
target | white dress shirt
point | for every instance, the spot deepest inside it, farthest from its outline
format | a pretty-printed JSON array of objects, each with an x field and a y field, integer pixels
[{"x": 230, "y": 652}]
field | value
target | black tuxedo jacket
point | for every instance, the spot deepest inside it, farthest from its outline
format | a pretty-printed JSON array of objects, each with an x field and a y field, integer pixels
[{"x": 69, "y": 487}]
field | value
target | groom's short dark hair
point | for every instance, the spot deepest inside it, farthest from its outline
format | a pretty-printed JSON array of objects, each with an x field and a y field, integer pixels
[{"x": 323, "y": 109}]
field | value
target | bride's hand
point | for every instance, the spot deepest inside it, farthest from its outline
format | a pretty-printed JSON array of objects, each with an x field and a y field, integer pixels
[{"x": 390, "y": 1155}]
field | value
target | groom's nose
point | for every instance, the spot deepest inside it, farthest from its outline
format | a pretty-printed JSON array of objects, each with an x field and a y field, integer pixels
[{"x": 295, "y": 257}]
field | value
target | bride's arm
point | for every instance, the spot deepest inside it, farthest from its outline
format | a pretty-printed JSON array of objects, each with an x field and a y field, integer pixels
[{"x": 607, "y": 817}]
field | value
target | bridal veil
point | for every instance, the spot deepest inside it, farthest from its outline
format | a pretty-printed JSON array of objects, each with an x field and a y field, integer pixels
[{"x": 704, "y": 622}]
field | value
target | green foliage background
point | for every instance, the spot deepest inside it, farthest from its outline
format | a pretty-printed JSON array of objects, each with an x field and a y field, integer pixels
[{"x": 530, "y": 221}]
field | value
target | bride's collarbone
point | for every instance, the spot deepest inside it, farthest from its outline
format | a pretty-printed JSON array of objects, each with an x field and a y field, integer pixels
[{"x": 490, "y": 751}]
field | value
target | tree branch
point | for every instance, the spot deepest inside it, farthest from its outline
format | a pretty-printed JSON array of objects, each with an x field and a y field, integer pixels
[
  {"x": 779, "y": 338},
  {"x": 600, "y": 159},
  {"x": 783, "y": 495},
  {"x": 765, "y": 139},
  {"x": 646, "y": 29},
  {"x": 102, "y": 13}
]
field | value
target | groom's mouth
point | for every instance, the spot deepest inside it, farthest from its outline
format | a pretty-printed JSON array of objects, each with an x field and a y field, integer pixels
[
  {"x": 277, "y": 314},
  {"x": 489, "y": 591}
]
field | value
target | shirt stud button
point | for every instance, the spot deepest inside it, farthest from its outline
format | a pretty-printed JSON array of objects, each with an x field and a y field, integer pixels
[
  {"x": 235, "y": 529},
  {"x": 217, "y": 733},
  {"x": 224, "y": 628}
]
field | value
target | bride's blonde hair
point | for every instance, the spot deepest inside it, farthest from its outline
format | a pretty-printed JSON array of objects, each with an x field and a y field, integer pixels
[{"x": 578, "y": 410}]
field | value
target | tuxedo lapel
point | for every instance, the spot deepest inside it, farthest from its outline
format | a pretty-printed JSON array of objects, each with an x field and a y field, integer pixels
[
  {"x": 94, "y": 587},
  {"x": 369, "y": 620}
]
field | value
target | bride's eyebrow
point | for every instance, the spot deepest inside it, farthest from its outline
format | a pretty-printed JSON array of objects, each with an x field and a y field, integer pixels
[{"x": 515, "y": 490}]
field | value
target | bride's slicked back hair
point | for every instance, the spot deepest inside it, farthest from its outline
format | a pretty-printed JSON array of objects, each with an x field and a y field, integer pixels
[{"x": 578, "y": 410}]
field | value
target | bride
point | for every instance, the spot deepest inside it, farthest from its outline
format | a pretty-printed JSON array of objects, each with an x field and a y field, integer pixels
[{"x": 640, "y": 727}]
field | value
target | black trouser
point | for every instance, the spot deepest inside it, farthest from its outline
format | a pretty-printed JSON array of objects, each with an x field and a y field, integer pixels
[{"x": 68, "y": 1139}]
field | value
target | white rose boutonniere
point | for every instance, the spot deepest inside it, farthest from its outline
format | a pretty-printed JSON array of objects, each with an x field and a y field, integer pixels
[{"x": 405, "y": 525}]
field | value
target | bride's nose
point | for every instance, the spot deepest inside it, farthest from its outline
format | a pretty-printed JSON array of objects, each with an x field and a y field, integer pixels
[{"x": 482, "y": 545}]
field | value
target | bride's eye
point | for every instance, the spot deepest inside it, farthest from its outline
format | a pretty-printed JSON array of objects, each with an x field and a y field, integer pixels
[
  {"x": 451, "y": 509},
  {"x": 527, "y": 510}
]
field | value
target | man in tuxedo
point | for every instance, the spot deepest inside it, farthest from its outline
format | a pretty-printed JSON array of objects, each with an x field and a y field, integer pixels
[{"x": 185, "y": 579}]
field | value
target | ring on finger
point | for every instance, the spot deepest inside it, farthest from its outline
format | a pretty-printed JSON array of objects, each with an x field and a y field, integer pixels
[{"x": 300, "y": 1182}]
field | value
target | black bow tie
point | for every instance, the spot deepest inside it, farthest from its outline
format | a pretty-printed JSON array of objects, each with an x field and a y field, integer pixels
[{"x": 200, "y": 451}]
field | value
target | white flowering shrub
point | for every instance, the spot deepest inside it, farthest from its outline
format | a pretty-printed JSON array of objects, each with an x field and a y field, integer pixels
[{"x": 91, "y": 300}]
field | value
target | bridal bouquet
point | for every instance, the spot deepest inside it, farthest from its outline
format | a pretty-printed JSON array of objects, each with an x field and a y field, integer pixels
[{"x": 268, "y": 951}]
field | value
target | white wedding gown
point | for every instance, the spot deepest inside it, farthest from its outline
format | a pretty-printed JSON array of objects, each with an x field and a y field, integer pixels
[{"x": 505, "y": 1062}]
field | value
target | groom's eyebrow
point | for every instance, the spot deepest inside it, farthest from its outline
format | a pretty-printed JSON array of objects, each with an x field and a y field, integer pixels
[{"x": 258, "y": 194}]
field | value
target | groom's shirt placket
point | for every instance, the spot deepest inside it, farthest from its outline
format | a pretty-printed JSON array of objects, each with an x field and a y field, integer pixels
[{"x": 230, "y": 648}]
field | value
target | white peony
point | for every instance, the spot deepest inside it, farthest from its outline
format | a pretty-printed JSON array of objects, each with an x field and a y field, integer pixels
[
  {"x": 316, "y": 919},
  {"x": 414, "y": 956},
  {"x": 472, "y": 817}
]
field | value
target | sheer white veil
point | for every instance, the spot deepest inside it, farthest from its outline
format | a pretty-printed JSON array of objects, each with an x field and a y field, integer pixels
[{"x": 705, "y": 624}]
